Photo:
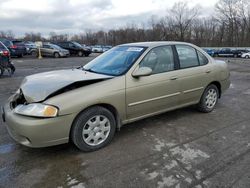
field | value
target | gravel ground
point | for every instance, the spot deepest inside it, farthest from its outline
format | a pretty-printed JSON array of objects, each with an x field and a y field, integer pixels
[{"x": 182, "y": 148}]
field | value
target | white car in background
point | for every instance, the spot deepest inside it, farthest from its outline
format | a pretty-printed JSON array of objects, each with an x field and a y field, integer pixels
[{"x": 246, "y": 55}]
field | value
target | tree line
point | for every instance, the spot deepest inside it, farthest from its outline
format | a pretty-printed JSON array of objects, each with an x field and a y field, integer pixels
[{"x": 229, "y": 25}]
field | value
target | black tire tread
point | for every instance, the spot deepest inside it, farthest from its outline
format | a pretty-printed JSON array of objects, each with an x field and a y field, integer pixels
[
  {"x": 80, "y": 120},
  {"x": 201, "y": 105}
]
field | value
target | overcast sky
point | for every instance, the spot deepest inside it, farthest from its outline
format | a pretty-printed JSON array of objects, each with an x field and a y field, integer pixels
[{"x": 74, "y": 16}]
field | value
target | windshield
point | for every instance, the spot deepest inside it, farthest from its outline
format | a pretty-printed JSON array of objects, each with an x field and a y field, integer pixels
[
  {"x": 116, "y": 61},
  {"x": 77, "y": 44},
  {"x": 56, "y": 47}
]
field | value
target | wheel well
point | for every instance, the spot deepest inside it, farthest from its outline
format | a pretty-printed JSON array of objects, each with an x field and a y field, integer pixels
[
  {"x": 56, "y": 53},
  {"x": 109, "y": 107},
  {"x": 218, "y": 85}
]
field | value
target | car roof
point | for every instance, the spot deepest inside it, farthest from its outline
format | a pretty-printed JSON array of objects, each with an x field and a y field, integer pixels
[{"x": 155, "y": 43}]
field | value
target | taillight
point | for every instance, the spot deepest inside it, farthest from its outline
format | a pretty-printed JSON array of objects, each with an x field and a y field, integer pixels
[
  {"x": 6, "y": 53},
  {"x": 14, "y": 46}
]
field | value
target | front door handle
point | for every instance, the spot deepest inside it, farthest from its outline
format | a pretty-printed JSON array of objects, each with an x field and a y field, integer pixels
[
  {"x": 208, "y": 71},
  {"x": 174, "y": 78}
]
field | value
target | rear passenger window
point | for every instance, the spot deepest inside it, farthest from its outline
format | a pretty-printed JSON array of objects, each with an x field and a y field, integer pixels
[
  {"x": 202, "y": 58},
  {"x": 187, "y": 56},
  {"x": 160, "y": 59}
]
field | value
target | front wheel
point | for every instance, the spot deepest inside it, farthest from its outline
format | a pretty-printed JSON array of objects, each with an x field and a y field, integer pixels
[
  {"x": 56, "y": 55},
  {"x": 93, "y": 129},
  {"x": 247, "y": 56},
  {"x": 209, "y": 99}
]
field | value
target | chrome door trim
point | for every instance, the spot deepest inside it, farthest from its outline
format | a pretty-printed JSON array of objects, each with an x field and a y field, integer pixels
[
  {"x": 192, "y": 90},
  {"x": 154, "y": 99}
]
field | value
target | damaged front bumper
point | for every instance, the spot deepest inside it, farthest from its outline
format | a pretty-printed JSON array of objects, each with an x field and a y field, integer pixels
[{"x": 37, "y": 132}]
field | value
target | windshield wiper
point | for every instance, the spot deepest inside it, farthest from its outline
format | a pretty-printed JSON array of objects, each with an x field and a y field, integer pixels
[{"x": 90, "y": 70}]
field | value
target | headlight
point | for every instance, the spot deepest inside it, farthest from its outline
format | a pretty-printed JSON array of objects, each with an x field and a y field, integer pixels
[{"x": 37, "y": 110}]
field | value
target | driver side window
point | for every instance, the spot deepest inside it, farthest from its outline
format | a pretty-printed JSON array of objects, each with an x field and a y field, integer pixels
[{"x": 160, "y": 59}]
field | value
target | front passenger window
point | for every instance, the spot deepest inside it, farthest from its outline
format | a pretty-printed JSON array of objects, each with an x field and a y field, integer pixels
[{"x": 159, "y": 59}]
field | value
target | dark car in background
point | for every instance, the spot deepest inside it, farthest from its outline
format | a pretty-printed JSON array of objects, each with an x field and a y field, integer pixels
[
  {"x": 31, "y": 48},
  {"x": 53, "y": 50},
  {"x": 209, "y": 51},
  {"x": 75, "y": 48},
  {"x": 5, "y": 61},
  {"x": 227, "y": 52},
  {"x": 16, "y": 48}
]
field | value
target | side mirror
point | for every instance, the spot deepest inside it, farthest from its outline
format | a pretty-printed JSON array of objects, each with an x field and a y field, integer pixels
[{"x": 142, "y": 71}]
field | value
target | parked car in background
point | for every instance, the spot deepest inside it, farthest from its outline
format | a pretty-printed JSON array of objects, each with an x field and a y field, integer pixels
[
  {"x": 106, "y": 48},
  {"x": 97, "y": 49},
  {"x": 5, "y": 61},
  {"x": 127, "y": 83},
  {"x": 53, "y": 50},
  {"x": 241, "y": 52},
  {"x": 75, "y": 48},
  {"x": 31, "y": 48},
  {"x": 100, "y": 48},
  {"x": 246, "y": 55},
  {"x": 16, "y": 48},
  {"x": 226, "y": 52},
  {"x": 209, "y": 51}
]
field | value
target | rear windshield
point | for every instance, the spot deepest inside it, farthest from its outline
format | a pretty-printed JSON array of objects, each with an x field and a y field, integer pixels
[
  {"x": 7, "y": 43},
  {"x": 2, "y": 47}
]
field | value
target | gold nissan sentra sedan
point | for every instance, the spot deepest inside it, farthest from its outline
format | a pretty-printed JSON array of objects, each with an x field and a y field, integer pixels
[{"x": 127, "y": 83}]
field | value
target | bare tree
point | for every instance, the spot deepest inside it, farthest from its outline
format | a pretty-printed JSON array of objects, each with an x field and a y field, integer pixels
[{"x": 180, "y": 19}]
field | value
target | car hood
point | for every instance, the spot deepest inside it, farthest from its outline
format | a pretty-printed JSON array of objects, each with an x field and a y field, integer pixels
[{"x": 38, "y": 87}]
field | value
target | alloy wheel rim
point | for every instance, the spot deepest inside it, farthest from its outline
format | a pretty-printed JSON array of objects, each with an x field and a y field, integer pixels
[
  {"x": 211, "y": 98},
  {"x": 96, "y": 130}
]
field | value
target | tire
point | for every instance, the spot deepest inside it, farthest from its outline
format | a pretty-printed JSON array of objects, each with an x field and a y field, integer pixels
[
  {"x": 1, "y": 71},
  {"x": 20, "y": 56},
  {"x": 56, "y": 55},
  {"x": 235, "y": 55},
  {"x": 89, "y": 122},
  {"x": 208, "y": 99},
  {"x": 34, "y": 54},
  {"x": 13, "y": 68},
  {"x": 80, "y": 53},
  {"x": 247, "y": 56}
]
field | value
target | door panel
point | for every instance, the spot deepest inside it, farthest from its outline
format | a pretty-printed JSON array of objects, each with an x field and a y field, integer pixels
[
  {"x": 193, "y": 82},
  {"x": 151, "y": 94},
  {"x": 157, "y": 92},
  {"x": 194, "y": 74}
]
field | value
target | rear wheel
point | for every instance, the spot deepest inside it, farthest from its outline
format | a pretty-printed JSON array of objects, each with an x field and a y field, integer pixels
[
  {"x": 80, "y": 53},
  {"x": 21, "y": 55},
  {"x": 93, "y": 129},
  {"x": 247, "y": 56},
  {"x": 209, "y": 99}
]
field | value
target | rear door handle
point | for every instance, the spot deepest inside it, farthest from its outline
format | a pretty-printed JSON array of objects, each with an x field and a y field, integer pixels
[
  {"x": 174, "y": 78},
  {"x": 208, "y": 71}
]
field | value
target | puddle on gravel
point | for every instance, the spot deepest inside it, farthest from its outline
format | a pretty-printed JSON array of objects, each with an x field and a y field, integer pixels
[{"x": 7, "y": 148}]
